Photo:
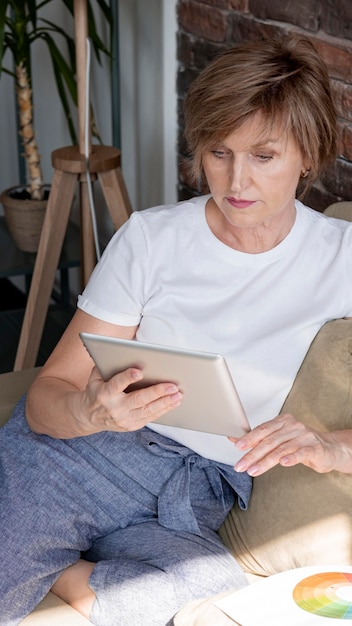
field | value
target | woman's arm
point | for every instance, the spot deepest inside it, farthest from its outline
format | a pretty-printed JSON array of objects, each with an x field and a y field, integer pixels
[{"x": 70, "y": 399}]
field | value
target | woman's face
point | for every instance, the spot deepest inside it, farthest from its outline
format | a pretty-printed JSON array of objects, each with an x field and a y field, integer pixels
[{"x": 253, "y": 176}]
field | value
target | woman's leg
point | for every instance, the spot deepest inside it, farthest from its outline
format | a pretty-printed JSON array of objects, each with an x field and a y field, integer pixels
[
  {"x": 146, "y": 573},
  {"x": 72, "y": 587},
  {"x": 58, "y": 496},
  {"x": 55, "y": 498}
]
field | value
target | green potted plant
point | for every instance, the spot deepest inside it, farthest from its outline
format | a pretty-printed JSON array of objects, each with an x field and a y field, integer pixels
[{"x": 21, "y": 24}]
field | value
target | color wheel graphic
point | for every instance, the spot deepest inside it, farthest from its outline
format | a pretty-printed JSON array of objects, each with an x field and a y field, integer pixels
[{"x": 328, "y": 594}]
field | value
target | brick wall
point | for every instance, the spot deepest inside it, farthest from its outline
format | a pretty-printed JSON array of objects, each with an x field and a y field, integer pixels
[{"x": 206, "y": 27}]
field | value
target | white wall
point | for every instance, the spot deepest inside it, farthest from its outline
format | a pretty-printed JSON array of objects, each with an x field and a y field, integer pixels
[
  {"x": 148, "y": 102},
  {"x": 169, "y": 58},
  {"x": 148, "y": 99}
]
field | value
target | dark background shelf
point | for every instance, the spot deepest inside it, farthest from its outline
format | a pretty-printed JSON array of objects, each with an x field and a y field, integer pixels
[
  {"x": 12, "y": 305},
  {"x": 10, "y": 296},
  {"x": 13, "y": 300}
]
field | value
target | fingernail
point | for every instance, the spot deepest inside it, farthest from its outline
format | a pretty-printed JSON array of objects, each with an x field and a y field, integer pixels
[
  {"x": 240, "y": 466},
  {"x": 252, "y": 471},
  {"x": 176, "y": 398},
  {"x": 137, "y": 374},
  {"x": 172, "y": 389}
]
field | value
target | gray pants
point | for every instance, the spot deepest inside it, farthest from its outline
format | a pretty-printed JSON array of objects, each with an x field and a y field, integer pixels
[{"x": 141, "y": 506}]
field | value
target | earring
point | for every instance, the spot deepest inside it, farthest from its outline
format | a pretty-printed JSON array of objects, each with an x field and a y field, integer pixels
[{"x": 305, "y": 174}]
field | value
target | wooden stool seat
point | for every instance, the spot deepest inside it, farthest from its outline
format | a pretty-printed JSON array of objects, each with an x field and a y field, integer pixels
[{"x": 101, "y": 159}]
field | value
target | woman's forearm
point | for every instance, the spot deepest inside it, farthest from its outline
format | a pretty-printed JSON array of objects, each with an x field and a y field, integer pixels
[{"x": 55, "y": 408}]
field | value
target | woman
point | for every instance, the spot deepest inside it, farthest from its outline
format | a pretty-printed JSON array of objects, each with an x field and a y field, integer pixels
[{"x": 247, "y": 271}]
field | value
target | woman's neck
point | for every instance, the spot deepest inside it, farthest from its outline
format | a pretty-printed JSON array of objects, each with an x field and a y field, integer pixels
[{"x": 250, "y": 239}]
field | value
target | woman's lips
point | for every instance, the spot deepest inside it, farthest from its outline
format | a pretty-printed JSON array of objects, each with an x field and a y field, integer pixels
[{"x": 239, "y": 204}]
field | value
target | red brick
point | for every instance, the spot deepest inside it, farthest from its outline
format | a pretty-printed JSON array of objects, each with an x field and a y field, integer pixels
[
  {"x": 342, "y": 93},
  {"x": 337, "y": 55},
  {"x": 234, "y": 5},
  {"x": 202, "y": 20},
  {"x": 336, "y": 18},
  {"x": 345, "y": 140},
  {"x": 204, "y": 51},
  {"x": 340, "y": 142},
  {"x": 239, "y": 5},
  {"x": 319, "y": 198},
  {"x": 184, "y": 49},
  {"x": 303, "y": 13},
  {"x": 245, "y": 27},
  {"x": 338, "y": 179}
]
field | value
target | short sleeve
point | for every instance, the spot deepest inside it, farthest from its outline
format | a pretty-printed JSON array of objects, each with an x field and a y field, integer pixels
[{"x": 115, "y": 290}]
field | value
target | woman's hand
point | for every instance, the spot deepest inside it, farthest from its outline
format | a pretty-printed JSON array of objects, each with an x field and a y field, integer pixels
[
  {"x": 70, "y": 399},
  {"x": 107, "y": 406},
  {"x": 287, "y": 442}
]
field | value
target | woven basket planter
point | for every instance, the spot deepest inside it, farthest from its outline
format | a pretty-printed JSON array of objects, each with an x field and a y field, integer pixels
[{"x": 24, "y": 217}]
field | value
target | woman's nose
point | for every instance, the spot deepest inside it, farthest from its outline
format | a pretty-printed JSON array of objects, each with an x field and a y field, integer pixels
[{"x": 238, "y": 175}]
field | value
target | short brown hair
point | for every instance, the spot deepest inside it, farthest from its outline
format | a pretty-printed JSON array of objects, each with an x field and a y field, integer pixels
[{"x": 285, "y": 80}]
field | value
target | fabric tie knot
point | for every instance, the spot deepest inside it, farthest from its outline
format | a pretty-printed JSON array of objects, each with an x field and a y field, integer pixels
[{"x": 175, "y": 510}]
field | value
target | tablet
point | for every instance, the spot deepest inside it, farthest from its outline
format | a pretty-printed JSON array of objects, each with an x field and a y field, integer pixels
[{"x": 210, "y": 401}]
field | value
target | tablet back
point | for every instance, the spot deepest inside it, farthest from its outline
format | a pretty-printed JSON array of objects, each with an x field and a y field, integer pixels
[{"x": 210, "y": 400}]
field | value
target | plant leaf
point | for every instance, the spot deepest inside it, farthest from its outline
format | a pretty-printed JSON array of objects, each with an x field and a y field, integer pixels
[
  {"x": 21, "y": 23},
  {"x": 3, "y": 9}
]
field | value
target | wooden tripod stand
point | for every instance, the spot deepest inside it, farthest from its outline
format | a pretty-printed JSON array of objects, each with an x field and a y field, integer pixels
[{"x": 70, "y": 167}]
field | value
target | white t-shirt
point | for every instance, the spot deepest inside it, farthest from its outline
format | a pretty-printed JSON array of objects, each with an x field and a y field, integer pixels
[{"x": 166, "y": 271}]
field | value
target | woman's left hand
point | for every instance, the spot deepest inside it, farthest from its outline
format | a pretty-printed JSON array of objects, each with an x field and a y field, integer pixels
[{"x": 286, "y": 441}]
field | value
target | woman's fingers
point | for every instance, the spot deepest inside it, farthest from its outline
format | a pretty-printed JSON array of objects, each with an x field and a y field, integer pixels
[
  {"x": 117, "y": 406},
  {"x": 287, "y": 442}
]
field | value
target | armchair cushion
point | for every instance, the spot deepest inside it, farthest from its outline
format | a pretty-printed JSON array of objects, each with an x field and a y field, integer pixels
[
  {"x": 12, "y": 387},
  {"x": 296, "y": 516}
]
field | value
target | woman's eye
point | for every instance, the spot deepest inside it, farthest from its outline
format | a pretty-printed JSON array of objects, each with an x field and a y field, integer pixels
[
  {"x": 219, "y": 154},
  {"x": 264, "y": 157}
]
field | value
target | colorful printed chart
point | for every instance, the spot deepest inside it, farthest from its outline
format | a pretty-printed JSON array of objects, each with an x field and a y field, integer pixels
[
  {"x": 307, "y": 596},
  {"x": 328, "y": 594}
]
